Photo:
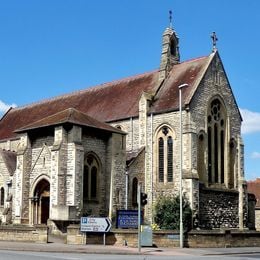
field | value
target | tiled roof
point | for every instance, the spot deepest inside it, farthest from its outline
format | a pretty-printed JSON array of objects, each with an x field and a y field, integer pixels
[
  {"x": 105, "y": 103},
  {"x": 70, "y": 115},
  {"x": 112, "y": 101},
  {"x": 132, "y": 155},
  {"x": 254, "y": 187},
  {"x": 9, "y": 159},
  {"x": 189, "y": 72}
]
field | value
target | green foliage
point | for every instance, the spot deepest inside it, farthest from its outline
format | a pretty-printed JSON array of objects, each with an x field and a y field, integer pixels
[{"x": 167, "y": 213}]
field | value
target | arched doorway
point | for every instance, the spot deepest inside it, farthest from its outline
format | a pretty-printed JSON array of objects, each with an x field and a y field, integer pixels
[{"x": 41, "y": 202}]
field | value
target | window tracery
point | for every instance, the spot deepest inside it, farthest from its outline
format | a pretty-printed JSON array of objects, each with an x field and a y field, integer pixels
[{"x": 216, "y": 142}]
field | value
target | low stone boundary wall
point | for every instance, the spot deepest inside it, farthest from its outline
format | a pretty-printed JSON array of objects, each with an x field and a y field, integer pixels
[
  {"x": 223, "y": 238},
  {"x": 116, "y": 237},
  {"x": 38, "y": 233},
  {"x": 193, "y": 239}
]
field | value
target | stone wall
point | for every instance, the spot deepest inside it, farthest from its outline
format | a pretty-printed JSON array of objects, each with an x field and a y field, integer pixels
[
  {"x": 145, "y": 128},
  {"x": 193, "y": 239},
  {"x": 10, "y": 145},
  {"x": 218, "y": 209},
  {"x": 131, "y": 127},
  {"x": 74, "y": 236},
  {"x": 257, "y": 219},
  {"x": 167, "y": 238},
  {"x": 117, "y": 201},
  {"x": 136, "y": 170},
  {"x": 37, "y": 233},
  {"x": 121, "y": 237},
  {"x": 222, "y": 238},
  {"x": 97, "y": 146},
  {"x": 5, "y": 178},
  {"x": 215, "y": 85},
  {"x": 21, "y": 181}
]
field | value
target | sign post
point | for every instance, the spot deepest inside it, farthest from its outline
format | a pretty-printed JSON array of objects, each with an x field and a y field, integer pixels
[{"x": 95, "y": 225}]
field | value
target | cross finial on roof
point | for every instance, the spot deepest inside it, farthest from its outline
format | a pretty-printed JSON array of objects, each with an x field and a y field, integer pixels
[
  {"x": 170, "y": 18},
  {"x": 214, "y": 41}
]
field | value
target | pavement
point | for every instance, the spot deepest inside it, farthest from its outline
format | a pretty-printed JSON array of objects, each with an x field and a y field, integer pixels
[{"x": 123, "y": 250}]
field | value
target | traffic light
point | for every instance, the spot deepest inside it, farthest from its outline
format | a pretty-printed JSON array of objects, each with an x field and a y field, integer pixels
[{"x": 143, "y": 199}]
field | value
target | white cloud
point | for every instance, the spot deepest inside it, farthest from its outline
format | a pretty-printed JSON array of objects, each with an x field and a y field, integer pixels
[
  {"x": 255, "y": 155},
  {"x": 4, "y": 107},
  {"x": 251, "y": 121}
]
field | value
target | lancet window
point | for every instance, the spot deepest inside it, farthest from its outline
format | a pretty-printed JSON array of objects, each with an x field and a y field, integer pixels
[
  {"x": 216, "y": 142},
  {"x": 165, "y": 155}
]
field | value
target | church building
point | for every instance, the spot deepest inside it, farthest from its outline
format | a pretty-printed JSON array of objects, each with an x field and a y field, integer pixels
[{"x": 84, "y": 153}]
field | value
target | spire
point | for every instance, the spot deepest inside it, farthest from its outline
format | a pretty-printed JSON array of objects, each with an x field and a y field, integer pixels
[{"x": 170, "y": 50}]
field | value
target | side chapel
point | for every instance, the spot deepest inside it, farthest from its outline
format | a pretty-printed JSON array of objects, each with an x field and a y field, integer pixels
[{"x": 84, "y": 153}]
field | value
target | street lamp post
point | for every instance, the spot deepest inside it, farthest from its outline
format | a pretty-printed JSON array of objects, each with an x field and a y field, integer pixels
[
  {"x": 180, "y": 112},
  {"x": 126, "y": 188}
]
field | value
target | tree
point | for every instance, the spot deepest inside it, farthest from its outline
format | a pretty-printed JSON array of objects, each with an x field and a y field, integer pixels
[{"x": 167, "y": 213}]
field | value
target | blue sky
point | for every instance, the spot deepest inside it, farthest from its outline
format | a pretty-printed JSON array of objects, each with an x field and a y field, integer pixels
[{"x": 52, "y": 47}]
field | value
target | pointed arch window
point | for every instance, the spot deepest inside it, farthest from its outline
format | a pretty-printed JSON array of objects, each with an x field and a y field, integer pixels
[
  {"x": 90, "y": 178},
  {"x": 216, "y": 142},
  {"x": 170, "y": 159},
  {"x": 2, "y": 196},
  {"x": 161, "y": 160},
  {"x": 134, "y": 191},
  {"x": 165, "y": 155}
]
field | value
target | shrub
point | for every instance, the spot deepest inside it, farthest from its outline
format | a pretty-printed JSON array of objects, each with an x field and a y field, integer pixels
[{"x": 167, "y": 213}]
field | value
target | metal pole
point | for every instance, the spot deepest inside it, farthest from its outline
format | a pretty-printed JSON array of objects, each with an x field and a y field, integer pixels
[
  {"x": 139, "y": 217},
  {"x": 151, "y": 183},
  {"x": 180, "y": 111},
  {"x": 126, "y": 189},
  {"x": 111, "y": 196},
  {"x": 104, "y": 239}
]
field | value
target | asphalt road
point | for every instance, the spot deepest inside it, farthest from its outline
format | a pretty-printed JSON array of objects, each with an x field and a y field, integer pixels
[{"x": 22, "y": 255}]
